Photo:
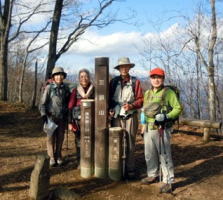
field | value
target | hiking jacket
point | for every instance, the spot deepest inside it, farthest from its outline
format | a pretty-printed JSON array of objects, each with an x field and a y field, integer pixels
[
  {"x": 171, "y": 104},
  {"x": 54, "y": 101},
  {"x": 117, "y": 92}
]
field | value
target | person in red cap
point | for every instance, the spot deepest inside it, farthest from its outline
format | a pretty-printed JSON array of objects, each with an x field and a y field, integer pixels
[
  {"x": 161, "y": 106},
  {"x": 157, "y": 71}
]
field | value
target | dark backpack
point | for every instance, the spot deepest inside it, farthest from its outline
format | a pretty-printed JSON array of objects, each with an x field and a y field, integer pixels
[
  {"x": 118, "y": 78},
  {"x": 53, "y": 91},
  {"x": 175, "y": 89},
  {"x": 177, "y": 92}
]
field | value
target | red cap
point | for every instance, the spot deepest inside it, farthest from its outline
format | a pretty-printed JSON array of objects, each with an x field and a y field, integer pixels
[{"x": 157, "y": 71}]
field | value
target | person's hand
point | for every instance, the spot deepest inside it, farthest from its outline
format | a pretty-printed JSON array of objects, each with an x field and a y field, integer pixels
[
  {"x": 44, "y": 119},
  {"x": 127, "y": 106},
  {"x": 160, "y": 119},
  {"x": 142, "y": 129},
  {"x": 111, "y": 113},
  {"x": 70, "y": 127}
]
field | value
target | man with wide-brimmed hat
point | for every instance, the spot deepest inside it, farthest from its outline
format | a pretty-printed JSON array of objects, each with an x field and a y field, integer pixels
[
  {"x": 53, "y": 106},
  {"x": 125, "y": 97}
]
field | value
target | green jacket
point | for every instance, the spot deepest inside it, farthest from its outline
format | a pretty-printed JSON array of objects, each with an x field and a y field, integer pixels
[{"x": 171, "y": 104}]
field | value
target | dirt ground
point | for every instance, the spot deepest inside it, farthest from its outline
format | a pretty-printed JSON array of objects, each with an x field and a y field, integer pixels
[{"x": 198, "y": 166}]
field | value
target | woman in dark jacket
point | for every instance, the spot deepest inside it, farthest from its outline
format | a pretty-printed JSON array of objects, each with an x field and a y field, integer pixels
[
  {"x": 84, "y": 90},
  {"x": 53, "y": 106}
]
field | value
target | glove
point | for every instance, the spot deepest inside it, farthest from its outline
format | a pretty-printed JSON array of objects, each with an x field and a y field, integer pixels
[
  {"x": 160, "y": 119},
  {"x": 44, "y": 119}
]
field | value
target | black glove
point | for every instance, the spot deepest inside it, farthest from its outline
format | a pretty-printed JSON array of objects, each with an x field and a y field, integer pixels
[
  {"x": 44, "y": 119},
  {"x": 160, "y": 119}
]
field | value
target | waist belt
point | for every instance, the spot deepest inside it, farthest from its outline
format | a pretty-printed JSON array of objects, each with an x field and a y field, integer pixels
[
  {"x": 125, "y": 117},
  {"x": 151, "y": 126}
]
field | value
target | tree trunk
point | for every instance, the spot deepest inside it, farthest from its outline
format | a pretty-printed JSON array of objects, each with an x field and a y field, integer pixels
[
  {"x": 52, "y": 56},
  {"x": 5, "y": 24},
  {"x": 35, "y": 87},
  {"x": 22, "y": 78},
  {"x": 198, "y": 88},
  {"x": 212, "y": 95},
  {"x": 4, "y": 71},
  {"x": 211, "y": 66},
  {"x": 198, "y": 71}
]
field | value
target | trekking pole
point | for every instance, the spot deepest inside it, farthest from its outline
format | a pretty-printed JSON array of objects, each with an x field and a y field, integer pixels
[
  {"x": 161, "y": 143},
  {"x": 124, "y": 154},
  {"x": 67, "y": 134},
  {"x": 160, "y": 130},
  {"x": 165, "y": 155}
]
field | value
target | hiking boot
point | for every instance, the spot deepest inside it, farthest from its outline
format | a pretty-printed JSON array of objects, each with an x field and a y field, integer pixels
[
  {"x": 166, "y": 188},
  {"x": 148, "y": 180},
  {"x": 131, "y": 175},
  {"x": 52, "y": 162},
  {"x": 59, "y": 161}
]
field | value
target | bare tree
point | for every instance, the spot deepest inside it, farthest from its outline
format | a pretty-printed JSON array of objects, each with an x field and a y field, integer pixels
[
  {"x": 27, "y": 52},
  {"x": 209, "y": 64},
  {"x": 85, "y": 21},
  {"x": 5, "y": 25},
  {"x": 33, "y": 103},
  {"x": 9, "y": 34},
  {"x": 194, "y": 63}
]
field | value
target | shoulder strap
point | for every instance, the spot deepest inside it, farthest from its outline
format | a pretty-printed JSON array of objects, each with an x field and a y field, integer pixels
[
  {"x": 67, "y": 89},
  {"x": 163, "y": 95},
  {"x": 147, "y": 96},
  {"x": 133, "y": 78},
  {"x": 118, "y": 78},
  {"x": 115, "y": 82},
  {"x": 51, "y": 89}
]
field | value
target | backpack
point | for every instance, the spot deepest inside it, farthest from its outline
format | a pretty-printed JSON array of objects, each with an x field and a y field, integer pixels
[
  {"x": 118, "y": 78},
  {"x": 177, "y": 92},
  {"x": 153, "y": 108},
  {"x": 48, "y": 82},
  {"x": 175, "y": 89},
  {"x": 43, "y": 86},
  {"x": 53, "y": 91}
]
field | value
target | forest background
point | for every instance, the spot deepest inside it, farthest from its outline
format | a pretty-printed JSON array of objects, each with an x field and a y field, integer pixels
[{"x": 184, "y": 38}]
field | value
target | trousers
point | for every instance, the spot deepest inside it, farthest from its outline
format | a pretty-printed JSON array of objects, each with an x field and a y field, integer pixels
[
  {"x": 158, "y": 154},
  {"x": 55, "y": 142}
]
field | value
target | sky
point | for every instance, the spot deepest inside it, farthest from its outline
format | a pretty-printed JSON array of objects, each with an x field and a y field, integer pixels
[{"x": 151, "y": 18}]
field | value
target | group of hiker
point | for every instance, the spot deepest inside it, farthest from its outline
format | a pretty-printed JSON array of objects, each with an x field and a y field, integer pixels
[{"x": 160, "y": 107}]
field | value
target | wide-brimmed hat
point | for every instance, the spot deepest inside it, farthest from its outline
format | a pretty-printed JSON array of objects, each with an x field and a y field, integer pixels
[
  {"x": 58, "y": 70},
  {"x": 124, "y": 61}
]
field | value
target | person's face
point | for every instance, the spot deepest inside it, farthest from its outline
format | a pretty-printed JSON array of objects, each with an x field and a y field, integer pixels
[
  {"x": 157, "y": 81},
  {"x": 58, "y": 78},
  {"x": 124, "y": 70},
  {"x": 84, "y": 79}
]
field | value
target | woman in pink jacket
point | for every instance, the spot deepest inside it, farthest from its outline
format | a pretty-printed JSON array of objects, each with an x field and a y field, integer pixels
[{"x": 84, "y": 90}]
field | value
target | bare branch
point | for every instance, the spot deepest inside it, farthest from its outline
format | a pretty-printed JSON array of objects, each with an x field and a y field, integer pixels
[
  {"x": 35, "y": 37},
  {"x": 82, "y": 26},
  {"x": 23, "y": 21}
]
